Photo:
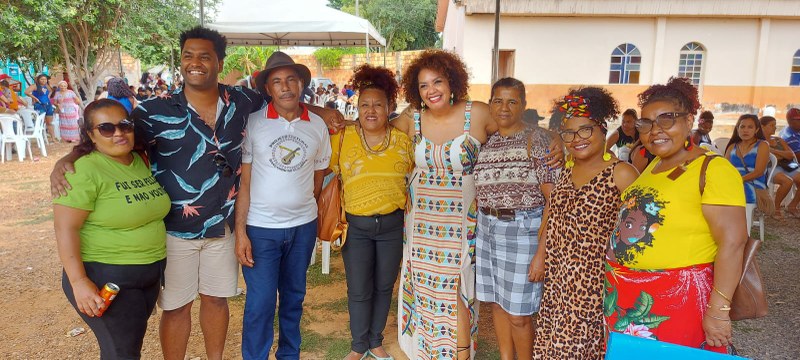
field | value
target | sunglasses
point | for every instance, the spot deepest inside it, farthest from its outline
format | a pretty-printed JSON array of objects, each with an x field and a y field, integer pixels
[
  {"x": 583, "y": 132},
  {"x": 665, "y": 121},
  {"x": 223, "y": 167},
  {"x": 108, "y": 129}
]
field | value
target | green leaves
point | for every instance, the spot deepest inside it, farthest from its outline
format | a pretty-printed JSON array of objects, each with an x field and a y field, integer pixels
[
  {"x": 610, "y": 303},
  {"x": 639, "y": 314},
  {"x": 406, "y": 24},
  {"x": 652, "y": 321},
  {"x": 641, "y": 307},
  {"x": 246, "y": 59}
]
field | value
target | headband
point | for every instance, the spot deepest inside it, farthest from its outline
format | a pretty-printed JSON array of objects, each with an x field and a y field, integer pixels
[{"x": 575, "y": 106}]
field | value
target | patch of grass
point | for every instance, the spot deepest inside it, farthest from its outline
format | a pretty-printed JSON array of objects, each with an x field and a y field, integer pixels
[
  {"x": 336, "y": 306},
  {"x": 38, "y": 219},
  {"x": 487, "y": 350},
  {"x": 317, "y": 278},
  {"x": 335, "y": 347}
]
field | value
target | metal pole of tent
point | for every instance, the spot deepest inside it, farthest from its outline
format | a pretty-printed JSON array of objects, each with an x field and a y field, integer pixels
[
  {"x": 496, "y": 49},
  {"x": 202, "y": 13}
]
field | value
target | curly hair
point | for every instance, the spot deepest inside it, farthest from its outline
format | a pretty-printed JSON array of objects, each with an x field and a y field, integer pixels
[
  {"x": 444, "y": 62},
  {"x": 602, "y": 106},
  {"x": 707, "y": 115},
  {"x": 375, "y": 77},
  {"x": 679, "y": 91},
  {"x": 199, "y": 32},
  {"x": 86, "y": 145}
]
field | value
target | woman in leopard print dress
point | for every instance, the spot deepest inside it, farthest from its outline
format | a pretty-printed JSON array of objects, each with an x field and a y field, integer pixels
[{"x": 583, "y": 215}]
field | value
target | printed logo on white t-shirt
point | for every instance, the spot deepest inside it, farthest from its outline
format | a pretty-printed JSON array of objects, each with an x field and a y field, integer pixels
[{"x": 289, "y": 153}]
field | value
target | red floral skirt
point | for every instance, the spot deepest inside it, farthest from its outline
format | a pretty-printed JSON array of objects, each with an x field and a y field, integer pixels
[{"x": 665, "y": 305}]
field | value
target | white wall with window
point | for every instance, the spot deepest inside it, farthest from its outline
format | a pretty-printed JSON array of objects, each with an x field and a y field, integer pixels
[{"x": 690, "y": 63}]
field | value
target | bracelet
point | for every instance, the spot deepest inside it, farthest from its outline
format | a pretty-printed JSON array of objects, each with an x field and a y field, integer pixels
[
  {"x": 721, "y": 308},
  {"x": 721, "y": 294},
  {"x": 718, "y": 318}
]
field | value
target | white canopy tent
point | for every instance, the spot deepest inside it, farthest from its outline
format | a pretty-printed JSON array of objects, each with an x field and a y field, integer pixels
[{"x": 292, "y": 23}]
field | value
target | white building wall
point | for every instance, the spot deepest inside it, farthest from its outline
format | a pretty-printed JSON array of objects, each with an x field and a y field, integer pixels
[
  {"x": 731, "y": 49},
  {"x": 784, "y": 42},
  {"x": 557, "y": 50},
  {"x": 577, "y": 50}
]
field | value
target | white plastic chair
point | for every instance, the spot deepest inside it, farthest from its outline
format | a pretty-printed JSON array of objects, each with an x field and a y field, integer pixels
[
  {"x": 773, "y": 162},
  {"x": 38, "y": 133},
  {"x": 341, "y": 106},
  {"x": 28, "y": 117},
  {"x": 352, "y": 112},
  {"x": 721, "y": 144},
  {"x": 56, "y": 127},
  {"x": 13, "y": 137}
]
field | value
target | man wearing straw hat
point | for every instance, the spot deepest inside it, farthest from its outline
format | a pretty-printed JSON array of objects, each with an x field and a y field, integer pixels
[{"x": 285, "y": 153}]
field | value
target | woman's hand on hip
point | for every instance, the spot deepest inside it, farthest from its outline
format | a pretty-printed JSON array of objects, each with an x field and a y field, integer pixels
[
  {"x": 87, "y": 297},
  {"x": 244, "y": 252}
]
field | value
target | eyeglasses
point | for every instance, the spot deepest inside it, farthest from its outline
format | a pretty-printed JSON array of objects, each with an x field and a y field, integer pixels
[
  {"x": 222, "y": 165},
  {"x": 665, "y": 121},
  {"x": 583, "y": 132},
  {"x": 109, "y": 129}
]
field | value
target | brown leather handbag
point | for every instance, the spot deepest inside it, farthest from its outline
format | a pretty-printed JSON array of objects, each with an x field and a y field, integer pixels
[
  {"x": 749, "y": 300},
  {"x": 331, "y": 220}
]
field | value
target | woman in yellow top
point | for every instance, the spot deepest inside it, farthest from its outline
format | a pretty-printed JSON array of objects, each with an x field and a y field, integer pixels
[
  {"x": 374, "y": 160},
  {"x": 675, "y": 258}
]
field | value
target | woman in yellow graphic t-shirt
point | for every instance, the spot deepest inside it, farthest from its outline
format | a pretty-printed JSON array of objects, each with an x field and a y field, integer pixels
[
  {"x": 374, "y": 159},
  {"x": 676, "y": 256},
  {"x": 110, "y": 229}
]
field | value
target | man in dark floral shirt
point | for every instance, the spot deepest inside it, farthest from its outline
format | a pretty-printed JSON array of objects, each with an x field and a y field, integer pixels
[{"x": 194, "y": 138}]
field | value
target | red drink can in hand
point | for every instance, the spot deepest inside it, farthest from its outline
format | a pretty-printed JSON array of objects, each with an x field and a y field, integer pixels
[{"x": 108, "y": 293}]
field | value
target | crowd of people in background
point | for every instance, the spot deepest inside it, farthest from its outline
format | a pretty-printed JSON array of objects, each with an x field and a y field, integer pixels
[{"x": 466, "y": 201}]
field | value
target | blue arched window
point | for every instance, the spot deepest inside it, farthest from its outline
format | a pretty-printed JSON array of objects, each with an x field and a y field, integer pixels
[
  {"x": 794, "y": 80},
  {"x": 625, "y": 63},
  {"x": 691, "y": 62}
]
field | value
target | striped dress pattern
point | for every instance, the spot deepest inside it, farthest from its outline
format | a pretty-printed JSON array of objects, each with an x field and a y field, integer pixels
[{"x": 439, "y": 254}]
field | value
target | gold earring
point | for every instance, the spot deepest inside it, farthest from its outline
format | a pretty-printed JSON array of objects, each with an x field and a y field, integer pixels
[{"x": 569, "y": 164}]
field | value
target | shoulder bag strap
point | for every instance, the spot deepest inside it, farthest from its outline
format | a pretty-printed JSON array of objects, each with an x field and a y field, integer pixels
[{"x": 703, "y": 169}]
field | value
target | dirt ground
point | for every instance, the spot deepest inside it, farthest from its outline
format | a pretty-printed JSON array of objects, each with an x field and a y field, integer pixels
[{"x": 35, "y": 315}]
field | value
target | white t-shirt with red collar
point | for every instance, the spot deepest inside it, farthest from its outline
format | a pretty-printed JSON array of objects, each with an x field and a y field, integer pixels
[{"x": 284, "y": 155}]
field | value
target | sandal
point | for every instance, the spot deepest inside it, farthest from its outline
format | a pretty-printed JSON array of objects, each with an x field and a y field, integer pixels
[{"x": 376, "y": 357}]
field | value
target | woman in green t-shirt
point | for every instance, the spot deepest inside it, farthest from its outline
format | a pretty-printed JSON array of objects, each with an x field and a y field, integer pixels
[{"x": 109, "y": 228}]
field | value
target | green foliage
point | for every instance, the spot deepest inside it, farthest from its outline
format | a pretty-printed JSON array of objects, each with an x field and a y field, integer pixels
[
  {"x": 85, "y": 35},
  {"x": 406, "y": 24},
  {"x": 332, "y": 57},
  {"x": 246, "y": 59}
]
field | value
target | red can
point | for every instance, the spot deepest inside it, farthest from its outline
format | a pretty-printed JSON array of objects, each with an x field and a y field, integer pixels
[{"x": 108, "y": 293}]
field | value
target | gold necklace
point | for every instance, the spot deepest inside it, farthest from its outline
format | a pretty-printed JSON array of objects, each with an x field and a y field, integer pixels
[{"x": 384, "y": 145}]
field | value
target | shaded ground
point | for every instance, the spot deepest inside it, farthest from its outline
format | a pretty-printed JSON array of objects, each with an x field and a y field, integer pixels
[{"x": 36, "y": 316}]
